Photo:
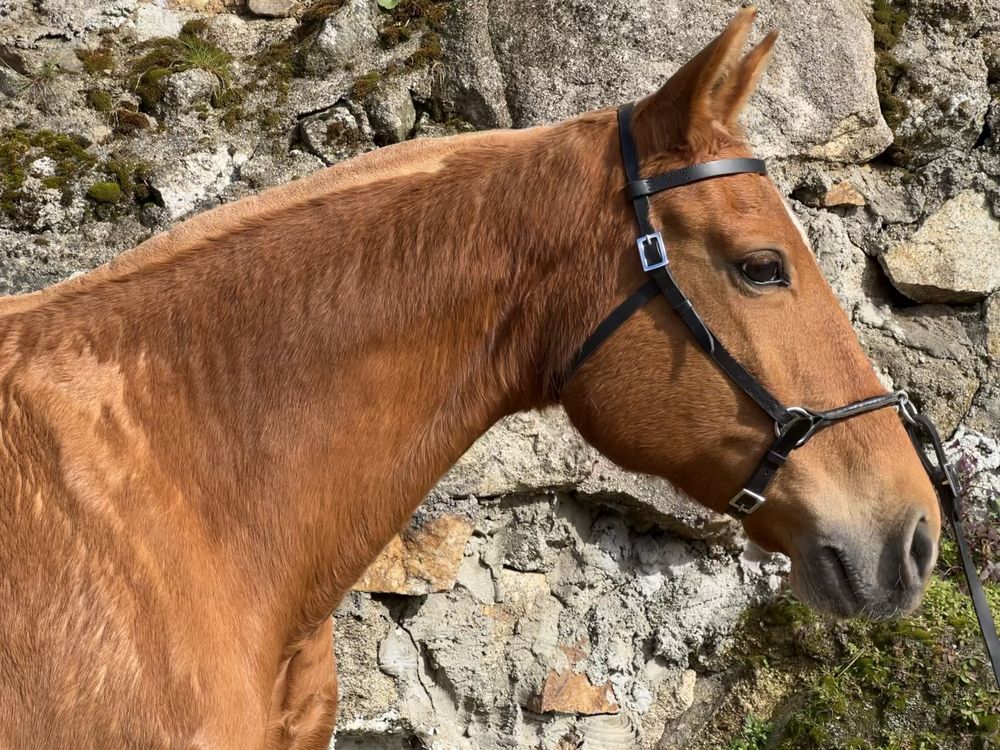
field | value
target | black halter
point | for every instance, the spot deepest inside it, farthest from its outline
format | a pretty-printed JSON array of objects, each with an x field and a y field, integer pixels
[{"x": 794, "y": 426}]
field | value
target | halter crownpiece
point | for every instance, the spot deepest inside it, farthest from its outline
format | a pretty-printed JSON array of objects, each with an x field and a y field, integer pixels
[{"x": 794, "y": 426}]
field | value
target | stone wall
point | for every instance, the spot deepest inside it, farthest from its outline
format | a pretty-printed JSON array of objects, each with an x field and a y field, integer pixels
[{"x": 541, "y": 598}]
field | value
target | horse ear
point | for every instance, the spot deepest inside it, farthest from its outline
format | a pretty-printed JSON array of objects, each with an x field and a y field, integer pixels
[
  {"x": 683, "y": 112},
  {"x": 736, "y": 89}
]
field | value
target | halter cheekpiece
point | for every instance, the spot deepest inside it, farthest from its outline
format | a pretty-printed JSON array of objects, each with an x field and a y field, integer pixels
[{"x": 794, "y": 426}]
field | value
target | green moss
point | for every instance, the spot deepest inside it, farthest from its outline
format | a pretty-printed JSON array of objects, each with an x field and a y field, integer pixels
[
  {"x": 163, "y": 57},
  {"x": 105, "y": 192},
  {"x": 228, "y": 97},
  {"x": 195, "y": 27},
  {"x": 922, "y": 682},
  {"x": 888, "y": 72},
  {"x": 149, "y": 87},
  {"x": 96, "y": 61},
  {"x": 128, "y": 121},
  {"x": 99, "y": 100},
  {"x": 427, "y": 53},
  {"x": 126, "y": 184},
  {"x": 429, "y": 13},
  {"x": 413, "y": 17},
  {"x": 314, "y": 16},
  {"x": 19, "y": 148},
  {"x": 130, "y": 175},
  {"x": 338, "y": 135},
  {"x": 271, "y": 119},
  {"x": 276, "y": 65},
  {"x": 365, "y": 85},
  {"x": 393, "y": 35},
  {"x": 753, "y": 735},
  {"x": 888, "y": 19},
  {"x": 232, "y": 116}
]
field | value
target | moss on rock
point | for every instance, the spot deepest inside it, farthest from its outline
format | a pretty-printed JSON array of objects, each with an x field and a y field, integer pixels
[
  {"x": 19, "y": 148},
  {"x": 105, "y": 192},
  {"x": 888, "y": 19},
  {"x": 314, "y": 16},
  {"x": 365, "y": 85},
  {"x": 99, "y": 100},
  {"x": 96, "y": 61},
  {"x": 920, "y": 682},
  {"x": 128, "y": 121},
  {"x": 162, "y": 57}
]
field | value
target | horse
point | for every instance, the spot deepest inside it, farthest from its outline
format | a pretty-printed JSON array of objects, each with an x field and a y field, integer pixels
[{"x": 206, "y": 441}]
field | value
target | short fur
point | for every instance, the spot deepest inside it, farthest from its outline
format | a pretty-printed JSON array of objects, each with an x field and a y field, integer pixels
[{"x": 204, "y": 443}]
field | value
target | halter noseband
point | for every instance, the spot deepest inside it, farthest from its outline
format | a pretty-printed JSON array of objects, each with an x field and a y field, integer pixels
[{"x": 794, "y": 426}]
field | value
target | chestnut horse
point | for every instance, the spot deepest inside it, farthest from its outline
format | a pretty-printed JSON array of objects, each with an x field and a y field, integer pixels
[{"x": 205, "y": 442}]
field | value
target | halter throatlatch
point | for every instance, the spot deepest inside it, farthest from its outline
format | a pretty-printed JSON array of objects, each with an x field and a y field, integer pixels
[{"x": 794, "y": 426}]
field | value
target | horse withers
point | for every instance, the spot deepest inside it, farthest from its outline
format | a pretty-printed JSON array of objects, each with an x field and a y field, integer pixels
[{"x": 207, "y": 441}]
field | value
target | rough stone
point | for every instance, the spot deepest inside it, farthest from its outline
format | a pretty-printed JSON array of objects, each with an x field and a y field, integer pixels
[
  {"x": 76, "y": 17},
  {"x": 570, "y": 692},
  {"x": 204, "y": 6},
  {"x": 944, "y": 89},
  {"x": 188, "y": 87},
  {"x": 274, "y": 8},
  {"x": 391, "y": 112},
  {"x": 342, "y": 35},
  {"x": 333, "y": 134},
  {"x": 572, "y": 58},
  {"x": 156, "y": 22},
  {"x": 991, "y": 317},
  {"x": 361, "y": 626},
  {"x": 419, "y": 560},
  {"x": 953, "y": 257},
  {"x": 485, "y": 657},
  {"x": 843, "y": 194},
  {"x": 195, "y": 179},
  {"x": 264, "y": 169},
  {"x": 938, "y": 371},
  {"x": 533, "y": 451}
]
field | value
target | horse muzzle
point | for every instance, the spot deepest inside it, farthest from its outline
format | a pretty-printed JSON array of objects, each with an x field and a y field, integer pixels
[{"x": 847, "y": 575}]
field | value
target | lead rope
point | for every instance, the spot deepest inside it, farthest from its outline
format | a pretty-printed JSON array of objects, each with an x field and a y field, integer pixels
[
  {"x": 949, "y": 491},
  {"x": 793, "y": 426}
]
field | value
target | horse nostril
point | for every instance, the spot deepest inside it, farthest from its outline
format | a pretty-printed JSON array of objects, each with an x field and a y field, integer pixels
[{"x": 920, "y": 561}]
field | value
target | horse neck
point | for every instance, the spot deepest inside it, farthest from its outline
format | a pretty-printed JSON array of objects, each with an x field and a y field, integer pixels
[{"x": 306, "y": 376}]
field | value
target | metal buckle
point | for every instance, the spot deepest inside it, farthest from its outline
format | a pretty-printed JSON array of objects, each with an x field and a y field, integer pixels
[
  {"x": 745, "y": 502},
  {"x": 906, "y": 408},
  {"x": 951, "y": 477},
  {"x": 799, "y": 414},
  {"x": 652, "y": 251}
]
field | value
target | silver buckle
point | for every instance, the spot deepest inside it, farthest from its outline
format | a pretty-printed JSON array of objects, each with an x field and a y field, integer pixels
[
  {"x": 799, "y": 414},
  {"x": 745, "y": 502},
  {"x": 906, "y": 408},
  {"x": 652, "y": 251}
]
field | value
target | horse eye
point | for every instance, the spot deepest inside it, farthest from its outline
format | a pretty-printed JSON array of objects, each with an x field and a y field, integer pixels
[{"x": 763, "y": 271}]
